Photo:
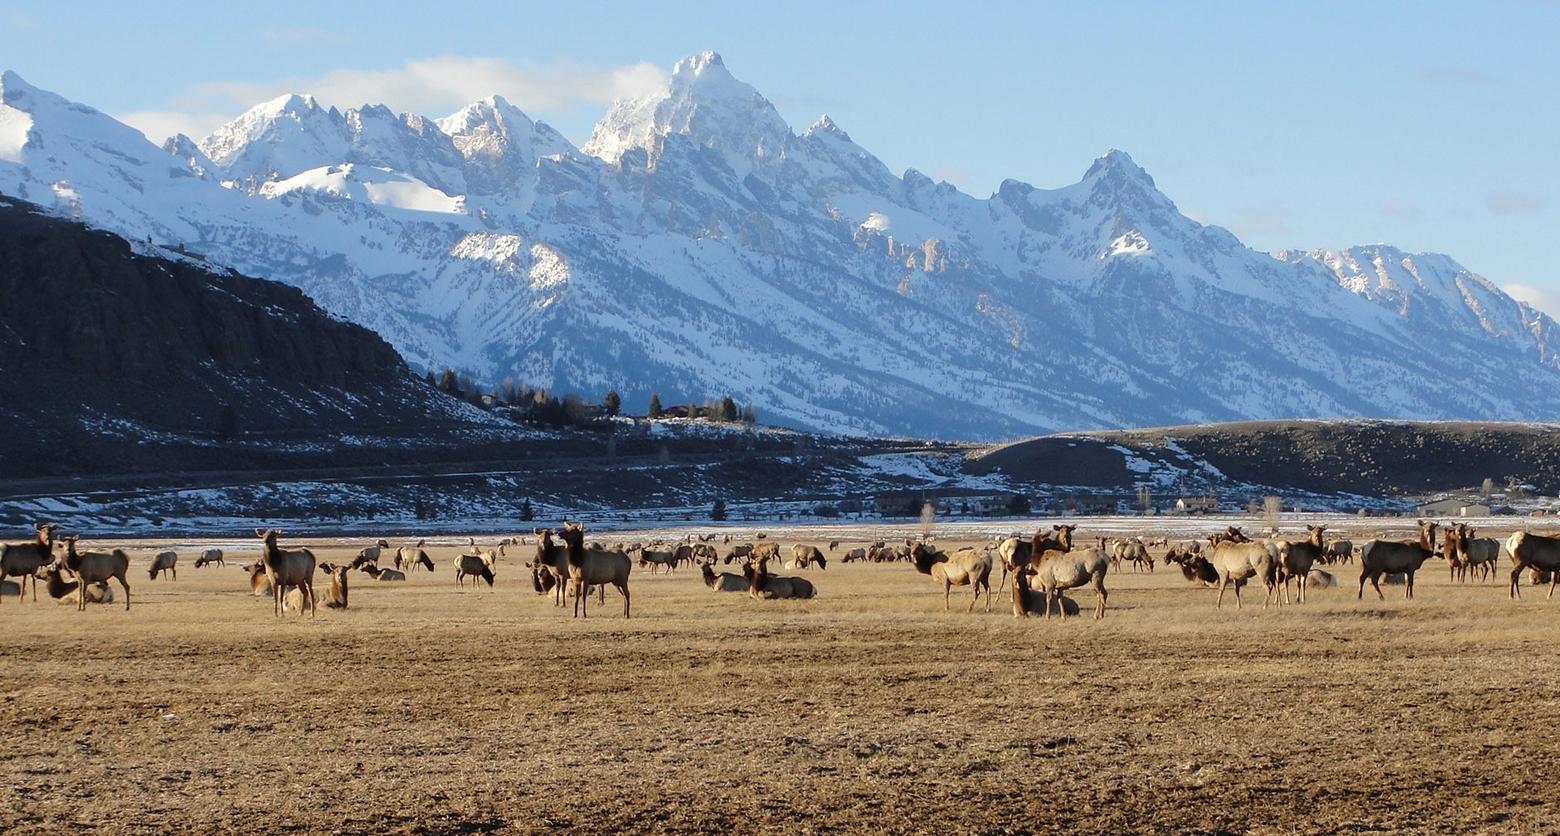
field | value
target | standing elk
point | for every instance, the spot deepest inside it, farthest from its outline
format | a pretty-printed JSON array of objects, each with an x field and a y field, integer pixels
[
  {"x": 1237, "y": 561},
  {"x": 286, "y": 568},
  {"x": 1531, "y": 551},
  {"x": 1463, "y": 551},
  {"x": 476, "y": 566},
  {"x": 658, "y": 557},
  {"x": 1013, "y": 552},
  {"x": 966, "y": 567},
  {"x": 23, "y": 560},
  {"x": 408, "y": 558},
  {"x": 803, "y": 556},
  {"x": 858, "y": 554},
  {"x": 1295, "y": 558},
  {"x": 1340, "y": 551},
  {"x": 1393, "y": 557},
  {"x": 164, "y": 562},
  {"x": 593, "y": 566},
  {"x": 1055, "y": 570},
  {"x": 550, "y": 567},
  {"x": 1025, "y": 601},
  {"x": 370, "y": 554},
  {"x": 1059, "y": 538},
  {"x": 96, "y": 567},
  {"x": 209, "y": 556}
]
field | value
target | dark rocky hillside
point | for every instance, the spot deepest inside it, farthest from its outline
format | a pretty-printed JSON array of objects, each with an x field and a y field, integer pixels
[
  {"x": 109, "y": 359},
  {"x": 1370, "y": 458}
]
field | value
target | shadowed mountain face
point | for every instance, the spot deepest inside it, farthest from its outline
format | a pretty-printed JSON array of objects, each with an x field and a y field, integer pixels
[
  {"x": 697, "y": 245},
  {"x": 105, "y": 354}
]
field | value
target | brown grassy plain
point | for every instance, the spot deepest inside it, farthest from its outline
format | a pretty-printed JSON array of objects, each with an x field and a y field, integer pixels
[{"x": 428, "y": 708}]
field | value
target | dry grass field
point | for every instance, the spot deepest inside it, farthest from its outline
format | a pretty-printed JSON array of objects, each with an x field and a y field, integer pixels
[{"x": 429, "y": 708}]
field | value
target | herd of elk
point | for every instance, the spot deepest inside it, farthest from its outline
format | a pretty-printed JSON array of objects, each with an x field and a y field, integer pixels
[{"x": 1043, "y": 566}]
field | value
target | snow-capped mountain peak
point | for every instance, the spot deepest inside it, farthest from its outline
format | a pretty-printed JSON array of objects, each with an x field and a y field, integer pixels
[{"x": 715, "y": 251}]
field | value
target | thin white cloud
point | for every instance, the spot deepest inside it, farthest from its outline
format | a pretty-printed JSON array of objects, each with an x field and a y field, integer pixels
[
  {"x": 1543, "y": 298},
  {"x": 297, "y": 35},
  {"x": 430, "y": 86},
  {"x": 1513, "y": 203},
  {"x": 1466, "y": 76}
]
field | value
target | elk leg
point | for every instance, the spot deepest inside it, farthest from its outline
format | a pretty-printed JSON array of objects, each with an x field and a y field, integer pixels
[
  {"x": 1516, "y": 582},
  {"x": 1100, "y": 596},
  {"x": 1408, "y": 585},
  {"x": 1363, "y": 575},
  {"x": 1219, "y": 602},
  {"x": 623, "y": 588},
  {"x": 1554, "y": 575},
  {"x": 123, "y": 583}
]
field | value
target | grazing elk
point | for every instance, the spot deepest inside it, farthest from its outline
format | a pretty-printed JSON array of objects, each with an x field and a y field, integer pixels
[
  {"x": 164, "y": 562},
  {"x": 804, "y": 556},
  {"x": 1055, "y": 570},
  {"x": 370, "y": 554},
  {"x": 408, "y": 558},
  {"x": 1339, "y": 551},
  {"x": 723, "y": 582},
  {"x": 23, "y": 560},
  {"x": 966, "y": 567},
  {"x": 96, "y": 567},
  {"x": 1531, "y": 551},
  {"x": 658, "y": 557},
  {"x": 741, "y": 551},
  {"x": 1392, "y": 557},
  {"x": 593, "y": 566},
  {"x": 1194, "y": 567},
  {"x": 476, "y": 566},
  {"x": 1237, "y": 561},
  {"x": 762, "y": 585},
  {"x": 336, "y": 595},
  {"x": 209, "y": 556},
  {"x": 286, "y": 568},
  {"x": 854, "y": 555}
]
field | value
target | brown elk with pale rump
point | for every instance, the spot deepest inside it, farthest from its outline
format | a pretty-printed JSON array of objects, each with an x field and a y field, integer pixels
[
  {"x": 24, "y": 560},
  {"x": 1392, "y": 557},
  {"x": 593, "y": 566},
  {"x": 286, "y": 568},
  {"x": 97, "y": 567}
]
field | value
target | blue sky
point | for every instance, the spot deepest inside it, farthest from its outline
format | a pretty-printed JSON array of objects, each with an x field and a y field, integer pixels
[{"x": 1428, "y": 125}]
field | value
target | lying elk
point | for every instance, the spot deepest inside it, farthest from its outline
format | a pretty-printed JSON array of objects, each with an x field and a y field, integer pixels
[
  {"x": 764, "y": 586},
  {"x": 476, "y": 566},
  {"x": 804, "y": 556},
  {"x": 164, "y": 562},
  {"x": 379, "y": 574},
  {"x": 24, "y": 560},
  {"x": 408, "y": 558},
  {"x": 96, "y": 567},
  {"x": 1194, "y": 567},
  {"x": 1055, "y": 570},
  {"x": 723, "y": 582},
  {"x": 336, "y": 596},
  {"x": 1531, "y": 551},
  {"x": 593, "y": 566},
  {"x": 966, "y": 567},
  {"x": 209, "y": 556},
  {"x": 66, "y": 592},
  {"x": 1025, "y": 601},
  {"x": 259, "y": 584},
  {"x": 1392, "y": 557},
  {"x": 286, "y": 568}
]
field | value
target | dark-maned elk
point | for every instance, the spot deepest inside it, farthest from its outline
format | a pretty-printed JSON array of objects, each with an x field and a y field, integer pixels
[
  {"x": 1013, "y": 552},
  {"x": 1463, "y": 551},
  {"x": 23, "y": 560},
  {"x": 593, "y": 566},
  {"x": 1054, "y": 570},
  {"x": 763, "y": 586},
  {"x": 408, "y": 558},
  {"x": 1236, "y": 562},
  {"x": 164, "y": 562},
  {"x": 1295, "y": 558},
  {"x": 803, "y": 556},
  {"x": 97, "y": 567},
  {"x": 1394, "y": 557},
  {"x": 723, "y": 582},
  {"x": 1340, "y": 551},
  {"x": 552, "y": 561},
  {"x": 1531, "y": 551},
  {"x": 657, "y": 557},
  {"x": 1059, "y": 538},
  {"x": 966, "y": 567},
  {"x": 286, "y": 568}
]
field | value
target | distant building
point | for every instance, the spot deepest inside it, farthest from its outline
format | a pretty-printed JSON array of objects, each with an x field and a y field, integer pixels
[
  {"x": 1453, "y": 507},
  {"x": 1196, "y": 505}
]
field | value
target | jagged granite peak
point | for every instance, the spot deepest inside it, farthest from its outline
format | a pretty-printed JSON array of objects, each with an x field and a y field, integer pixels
[
  {"x": 704, "y": 102},
  {"x": 825, "y": 125},
  {"x": 500, "y": 143},
  {"x": 716, "y": 251}
]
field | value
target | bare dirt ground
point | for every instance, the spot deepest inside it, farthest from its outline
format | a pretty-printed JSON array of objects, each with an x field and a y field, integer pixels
[{"x": 430, "y": 708}]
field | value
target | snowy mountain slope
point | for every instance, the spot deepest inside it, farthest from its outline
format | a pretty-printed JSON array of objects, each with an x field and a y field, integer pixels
[{"x": 696, "y": 246}]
